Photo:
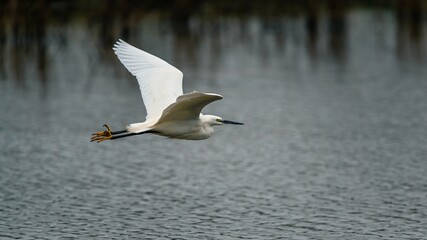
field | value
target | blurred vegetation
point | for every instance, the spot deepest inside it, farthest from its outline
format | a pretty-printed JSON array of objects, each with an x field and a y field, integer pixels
[
  {"x": 24, "y": 23},
  {"x": 182, "y": 10},
  {"x": 28, "y": 17}
]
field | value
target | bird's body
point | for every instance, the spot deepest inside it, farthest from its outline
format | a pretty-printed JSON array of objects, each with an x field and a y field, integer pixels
[
  {"x": 170, "y": 113},
  {"x": 190, "y": 130}
]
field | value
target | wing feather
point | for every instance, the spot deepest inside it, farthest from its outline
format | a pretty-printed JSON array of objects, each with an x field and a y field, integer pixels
[
  {"x": 188, "y": 106},
  {"x": 160, "y": 83}
]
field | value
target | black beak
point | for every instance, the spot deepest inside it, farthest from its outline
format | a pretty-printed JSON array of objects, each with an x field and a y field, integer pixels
[{"x": 231, "y": 122}]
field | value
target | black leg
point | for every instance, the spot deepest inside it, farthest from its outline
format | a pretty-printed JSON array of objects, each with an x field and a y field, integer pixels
[
  {"x": 122, "y": 136},
  {"x": 108, "y": 134},
  {"x": 119, "y": 132},
  {"x": 129, "y": 134}
]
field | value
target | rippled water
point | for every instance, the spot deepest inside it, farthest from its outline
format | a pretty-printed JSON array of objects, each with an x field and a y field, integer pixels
[{"x": 334, "y": 145}]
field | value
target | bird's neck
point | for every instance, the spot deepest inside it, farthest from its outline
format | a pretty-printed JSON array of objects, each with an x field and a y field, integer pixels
[
  {"x": 207, "y": 125},
  {"x": 208, "y": 129}
]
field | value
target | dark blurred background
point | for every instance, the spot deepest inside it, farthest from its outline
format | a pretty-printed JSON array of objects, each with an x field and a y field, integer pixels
[
  {"x": 333, "y": 94},
  {"x": 29, "y": 27}
]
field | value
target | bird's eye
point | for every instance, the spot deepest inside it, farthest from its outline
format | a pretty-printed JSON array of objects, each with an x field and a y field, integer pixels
[{"x": 218, "y": 120}]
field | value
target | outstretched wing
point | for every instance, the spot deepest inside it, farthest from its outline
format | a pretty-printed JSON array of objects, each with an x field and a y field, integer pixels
[
  {"x": 160, "y": 83},
  {"x": 188, "y": 106}
]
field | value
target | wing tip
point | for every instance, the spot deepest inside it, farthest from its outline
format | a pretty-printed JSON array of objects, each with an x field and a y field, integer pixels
[
  {"x": 119, "y": 43},
  {"x": 215, "y": 94}
]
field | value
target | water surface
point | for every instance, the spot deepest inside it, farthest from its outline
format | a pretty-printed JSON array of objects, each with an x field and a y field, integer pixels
[{"x": 334, "y": 145}]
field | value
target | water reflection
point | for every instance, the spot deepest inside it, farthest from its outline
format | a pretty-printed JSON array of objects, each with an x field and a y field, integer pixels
[
  {"x": 23, "y": 41},
  {"x": 337, "y": 29},
  {"x": 409, "y": 24},
  {"x": 312, "y": 27},
  {"x": 197, "y": 31}
]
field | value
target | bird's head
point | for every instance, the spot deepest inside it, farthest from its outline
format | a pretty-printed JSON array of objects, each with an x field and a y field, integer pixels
[{"x": 215, "y": 120}]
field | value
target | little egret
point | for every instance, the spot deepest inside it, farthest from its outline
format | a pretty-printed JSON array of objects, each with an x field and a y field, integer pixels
[{"x": 170, "y": 113}]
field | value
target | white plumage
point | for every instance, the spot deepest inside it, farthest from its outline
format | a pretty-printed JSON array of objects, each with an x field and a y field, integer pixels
[
  {"x": 160, "y": 83},
  {"x": 169, "y": 112}
]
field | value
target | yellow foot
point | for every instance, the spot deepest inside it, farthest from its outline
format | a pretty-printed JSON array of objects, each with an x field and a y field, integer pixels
[{"x": 102, "y": 136}]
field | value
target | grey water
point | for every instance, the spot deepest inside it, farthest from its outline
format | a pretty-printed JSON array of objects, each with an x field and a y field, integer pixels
[{"x": 333, "y": 146}]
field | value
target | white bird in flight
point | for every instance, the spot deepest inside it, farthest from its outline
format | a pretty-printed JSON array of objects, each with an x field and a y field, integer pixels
[{"x": 170, "y": 113}]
